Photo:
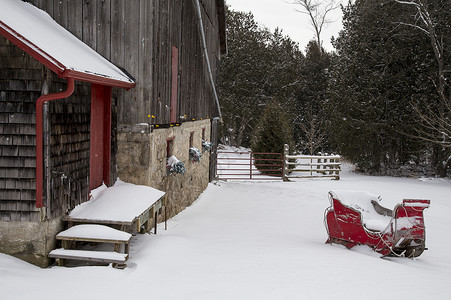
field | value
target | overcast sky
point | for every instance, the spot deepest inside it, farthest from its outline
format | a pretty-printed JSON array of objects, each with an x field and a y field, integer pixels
[{"x": 282, "y": 14}]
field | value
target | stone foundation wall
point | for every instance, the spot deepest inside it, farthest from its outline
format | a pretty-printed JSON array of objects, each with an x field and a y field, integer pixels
[
  {"x": 142, "y": 155},
  {"x": 30, "y": 241}
]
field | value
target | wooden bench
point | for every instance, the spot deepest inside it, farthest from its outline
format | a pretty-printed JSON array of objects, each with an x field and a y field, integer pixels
[{"x": 96, "y": 234}]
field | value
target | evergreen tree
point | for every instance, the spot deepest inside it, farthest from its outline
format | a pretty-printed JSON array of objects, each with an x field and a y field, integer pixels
[
  {"x": 259, "y": 67},
  {"x": 309, "y": 121},
  {"x": 273, "y": 131},
  {"x": 379, "y": 69}
]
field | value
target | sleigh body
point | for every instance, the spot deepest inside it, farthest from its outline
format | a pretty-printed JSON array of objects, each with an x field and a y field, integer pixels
[{"x": 356, "y": 218}]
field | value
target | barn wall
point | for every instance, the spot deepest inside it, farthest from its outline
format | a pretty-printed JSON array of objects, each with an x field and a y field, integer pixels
[
  {"x": 25, "y": 231},
  {"x": 69, "y": 149},
  {"x": 142, "y": 160},
  {"x": 138, "y": 36},
  {"x": 20, "y": 86}
]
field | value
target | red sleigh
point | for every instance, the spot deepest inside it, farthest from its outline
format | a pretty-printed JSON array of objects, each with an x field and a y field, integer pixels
[{"x": 356, "y": 218}]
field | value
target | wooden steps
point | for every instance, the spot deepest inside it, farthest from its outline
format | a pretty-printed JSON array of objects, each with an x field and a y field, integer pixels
[
  {"x": 88, "y": 255},
  {"x": 94, "y": 233},
  {"x": 97, "y": 234}
]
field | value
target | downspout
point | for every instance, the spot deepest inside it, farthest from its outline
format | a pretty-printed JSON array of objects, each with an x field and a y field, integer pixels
[
  {"x": 39, "y": 136},
  {"x": 204, "y": 46}
]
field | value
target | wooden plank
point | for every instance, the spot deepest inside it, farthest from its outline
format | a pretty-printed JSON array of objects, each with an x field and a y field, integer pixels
[
  {"x": 60, "y": 13},
  {"x": 94, "y": 233},
  {"x": 97, "y": 256},
  {"x": 90, "y": 23},
  {"x": 145, "y": 61},
  {"x": 91, "y": 221},
  {"x": 103, "y": 18},
  {"x": 75, "y": 18},
  {"x": 91, "y": 240},
  {"x": 132, "y": 43},
  {"x": 117, "y": 32}
]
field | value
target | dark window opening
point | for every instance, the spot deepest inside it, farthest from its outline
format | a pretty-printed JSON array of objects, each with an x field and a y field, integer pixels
[
  {"x": 169, "y": 146},
  {"x": 191, "y": 139}
]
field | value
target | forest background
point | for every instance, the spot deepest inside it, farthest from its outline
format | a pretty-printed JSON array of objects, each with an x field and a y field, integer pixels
[{"x": 382, "y": 99}]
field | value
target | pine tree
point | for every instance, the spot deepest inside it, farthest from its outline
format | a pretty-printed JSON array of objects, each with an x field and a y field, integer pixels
[
  {"x": 260, "y": 66},
  {"x": 379, "y": 70},
  {"x": 273, "y": 131}
]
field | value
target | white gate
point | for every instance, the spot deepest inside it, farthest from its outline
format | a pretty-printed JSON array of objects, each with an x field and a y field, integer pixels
[{"x": 311, "y": 166}]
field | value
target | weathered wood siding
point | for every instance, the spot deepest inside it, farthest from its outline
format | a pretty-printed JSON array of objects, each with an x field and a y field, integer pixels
[
  {"x": 69, "y": 149},
  {"x": 21, "y": 82},
  {"x": 138, "y": 36},
  {"x": 17, "y": 133}
]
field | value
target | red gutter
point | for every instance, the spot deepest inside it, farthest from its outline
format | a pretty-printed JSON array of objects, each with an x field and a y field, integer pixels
[
  {"x": 39, "y": 142},
  {"x": 93, "y": 78}
]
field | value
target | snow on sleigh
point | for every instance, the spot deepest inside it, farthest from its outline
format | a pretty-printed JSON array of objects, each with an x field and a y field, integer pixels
[{"x": 357, "y": 218}]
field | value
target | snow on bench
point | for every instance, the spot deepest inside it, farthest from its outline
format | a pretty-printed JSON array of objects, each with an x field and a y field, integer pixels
[
  {"x": 87, "y": 255},
  {"x": 122, "y": 204}
]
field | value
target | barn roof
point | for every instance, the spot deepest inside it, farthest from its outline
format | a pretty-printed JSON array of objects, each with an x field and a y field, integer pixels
[{"x": 34, "y": 31}]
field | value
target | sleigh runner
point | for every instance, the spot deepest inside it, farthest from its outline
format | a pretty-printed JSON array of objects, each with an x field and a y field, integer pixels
[{"x": 356, "y": 218}]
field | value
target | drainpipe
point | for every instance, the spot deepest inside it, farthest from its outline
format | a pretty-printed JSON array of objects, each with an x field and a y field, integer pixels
[
  {"x": 39, "y": 142},
  {"x": 204, "y": 46}
]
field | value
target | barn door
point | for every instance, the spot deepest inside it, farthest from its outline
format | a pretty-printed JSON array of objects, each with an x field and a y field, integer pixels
[{"x": 100, "y": 151}]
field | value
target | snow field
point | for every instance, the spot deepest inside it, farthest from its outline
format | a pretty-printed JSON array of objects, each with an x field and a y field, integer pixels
[{"x": 259, "y": 240}]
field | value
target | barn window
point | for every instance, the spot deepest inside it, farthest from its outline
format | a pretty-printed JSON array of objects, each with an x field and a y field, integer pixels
[
  {"x": 169, "y": 146},
  {"x": 191, "y": 139}
]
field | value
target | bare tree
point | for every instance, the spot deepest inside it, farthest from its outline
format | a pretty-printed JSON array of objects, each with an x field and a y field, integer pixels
[
  {"x": 314, "y": 136},
  {"x": 317, "y": 10},
  {"x": 436, "y": 122}
]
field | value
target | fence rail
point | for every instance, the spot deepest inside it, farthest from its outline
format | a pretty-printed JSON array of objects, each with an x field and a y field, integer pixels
[
  {"x": 236, "y": 165},
  {"x": 311, "y": 166}
]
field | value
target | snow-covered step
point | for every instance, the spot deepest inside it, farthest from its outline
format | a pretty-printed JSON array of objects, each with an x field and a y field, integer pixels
[
  {"x": 87, "y": 255},
  {"x": 94, "y": 233}
]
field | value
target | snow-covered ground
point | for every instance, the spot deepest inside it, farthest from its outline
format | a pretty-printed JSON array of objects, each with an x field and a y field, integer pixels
[{"x": 259, "y": 240}]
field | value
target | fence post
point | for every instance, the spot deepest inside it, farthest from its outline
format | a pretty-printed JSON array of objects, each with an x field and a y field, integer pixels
[
  {"x": 286, "y": 151},
  {"x": 337, "y": 172},
  {"x": 250, "y": 165}
]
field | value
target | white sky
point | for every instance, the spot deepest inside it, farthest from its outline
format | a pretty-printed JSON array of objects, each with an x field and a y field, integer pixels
[{"x": 282, "y": 14}]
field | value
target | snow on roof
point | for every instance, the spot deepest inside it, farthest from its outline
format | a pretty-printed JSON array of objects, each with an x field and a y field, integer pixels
[
  {"x": 66, "y": 54},
  {"x": 122, "y": 202}
]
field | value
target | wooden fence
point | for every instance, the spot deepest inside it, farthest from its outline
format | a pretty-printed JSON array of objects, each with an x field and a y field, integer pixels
[{"x": 310, "y": 166}]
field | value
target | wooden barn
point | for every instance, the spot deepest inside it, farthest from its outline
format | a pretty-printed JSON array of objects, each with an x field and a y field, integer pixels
[{"x": 92, "y": 91}]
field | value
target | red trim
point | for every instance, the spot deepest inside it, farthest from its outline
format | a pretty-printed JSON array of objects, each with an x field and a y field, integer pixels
[
  {"x": 100, "y": 140},
  {"x": 107, "y": 136},
  {"x": 80, "y": 76},
  {"x": 39, "y": 143},
  {"x": 24, "y": 44},
  {"x": 54, "y": 65}
]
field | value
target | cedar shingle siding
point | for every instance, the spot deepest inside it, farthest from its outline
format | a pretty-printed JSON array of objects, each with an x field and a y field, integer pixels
[{"x": 21, "y": 81}]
